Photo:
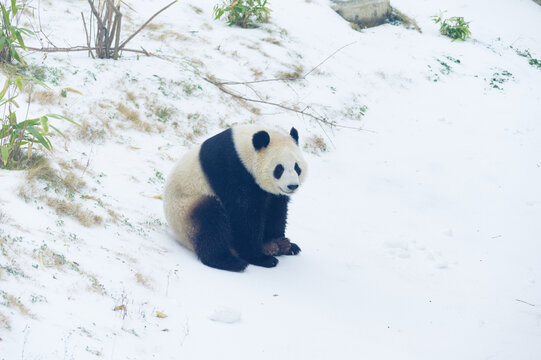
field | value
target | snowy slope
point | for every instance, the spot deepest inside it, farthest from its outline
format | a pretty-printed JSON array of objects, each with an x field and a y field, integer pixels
[{"x": 420, "y": 233}]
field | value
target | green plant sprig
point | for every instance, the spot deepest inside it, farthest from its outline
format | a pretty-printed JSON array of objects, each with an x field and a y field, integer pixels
[
  {"x": 454, "y": 27},
  {"x": 15, "y": 134},
  {"x": 242, "y": 12},
  {"x": 11, "y": 36}
]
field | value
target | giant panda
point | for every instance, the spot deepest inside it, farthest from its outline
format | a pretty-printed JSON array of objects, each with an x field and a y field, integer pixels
[{"x": 227, "y": 198}]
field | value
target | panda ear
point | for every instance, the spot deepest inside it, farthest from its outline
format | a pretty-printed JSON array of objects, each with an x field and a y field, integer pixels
[
  {"x": 261, "y": 139},
  {"x": 295, "y": 135}
]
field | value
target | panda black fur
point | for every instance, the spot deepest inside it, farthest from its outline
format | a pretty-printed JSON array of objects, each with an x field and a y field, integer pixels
[{"x": 227, "y": 198}]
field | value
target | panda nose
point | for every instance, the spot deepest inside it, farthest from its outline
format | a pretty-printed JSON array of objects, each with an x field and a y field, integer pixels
[{"x": 292, "y": 187}]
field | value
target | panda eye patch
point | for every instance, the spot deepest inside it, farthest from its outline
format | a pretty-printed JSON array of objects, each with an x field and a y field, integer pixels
[
  {"x": 297, "y": 169},
  {"x": 278, "y": 171}
]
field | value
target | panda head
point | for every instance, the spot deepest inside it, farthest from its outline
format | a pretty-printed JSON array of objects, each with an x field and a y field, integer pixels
[{"x": 274, "y": 160}]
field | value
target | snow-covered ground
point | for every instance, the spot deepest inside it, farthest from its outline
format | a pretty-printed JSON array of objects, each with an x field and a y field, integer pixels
[{"x": 420, "y": 234}]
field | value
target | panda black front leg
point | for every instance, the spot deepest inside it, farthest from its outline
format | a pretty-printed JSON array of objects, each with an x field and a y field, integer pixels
[{"x": 247, "y": 224}]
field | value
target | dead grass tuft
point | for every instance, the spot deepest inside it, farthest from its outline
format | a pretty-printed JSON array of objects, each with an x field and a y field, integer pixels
[
  {"x": 74, "y": 210},
  {"x": 257, "y": 73},
  {"x": 154, "y": 26},
  {"x": 315, "y": 145},
  {"x": 197, "y": 10},
  {"x": 4, "y": 322},
  {"x": 65, "y": 184},
  {"x": 91, "y": 133},
  {"x": 11, "y": 301},
  {"x": 45, "y": 97},
  {"x": 131, "y": 96},
  {"x": 168, "y": 35},
  {"x": 143, "y": 280},
  {"x": 408, "y": 22},
  {"x": 128, "y": 113},
  {"x": 43, "y": 171},
  {"x": 134, "y": 118},
  {"x": 298, "y": 71},
  {"x": 273, "y": 41}
]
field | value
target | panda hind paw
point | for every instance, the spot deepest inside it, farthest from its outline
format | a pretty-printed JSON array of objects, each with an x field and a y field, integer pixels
[{"x": 294, "y": 249}]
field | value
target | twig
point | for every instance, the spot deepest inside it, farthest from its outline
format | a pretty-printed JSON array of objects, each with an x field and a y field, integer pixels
[
  {"x": 301, "y": 112},
  {"x": 121, "y": 47},
  {"x": 524, "y": 302},
  {"x": 327, "y": 58},
  {"x": 83, "y": 48},
  {"x": 288, "y": 79},
  {"x": 87, "y": 36}
]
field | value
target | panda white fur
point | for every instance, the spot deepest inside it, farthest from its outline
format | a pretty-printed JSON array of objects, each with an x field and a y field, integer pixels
[{"x": 227, "y": 199}]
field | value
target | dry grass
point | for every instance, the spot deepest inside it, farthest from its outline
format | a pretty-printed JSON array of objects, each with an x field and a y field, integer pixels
[
  {"x": 131, "y": 96},
  {"x": 49, "y": 258},
  {"x": 405, "y": 19},
  {"x": 168, "y": 35},
  {"x": 273, "y": 41},
  {"x": 197, "y": 10},
  {"x": 4, "y": 322},
  {"x": 64, "y": 183},
  {"x": 315, "y": 145},
  {"x": 74, "y": 210},
  {"x": 297, "y": 72},
  {"x": 91, "y": 133},
  {"x": 12, "y": 301},
  {"x": 257, "y": 73},
  {"x": 154, "y": 26},
  {"x": 134, "y": 118},
  {"x": 44, "y": 172},
  {"x": 143, "y": 280},
  {"x": 45, "y": 97},
  {"x": 128, "y": 113}
]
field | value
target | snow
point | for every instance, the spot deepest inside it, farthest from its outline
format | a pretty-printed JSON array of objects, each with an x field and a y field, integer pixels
[{"x": 419, "y": 234}]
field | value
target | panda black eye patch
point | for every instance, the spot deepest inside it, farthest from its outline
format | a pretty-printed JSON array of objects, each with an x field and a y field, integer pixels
[
  {"x": 278, "y": 171},
  {"x": 297, "y": 169}
]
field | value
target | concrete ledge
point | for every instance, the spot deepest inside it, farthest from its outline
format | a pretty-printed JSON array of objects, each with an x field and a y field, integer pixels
[{"x": 365, "y": 13}]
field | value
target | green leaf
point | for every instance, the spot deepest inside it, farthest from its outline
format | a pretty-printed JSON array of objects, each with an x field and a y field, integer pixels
[
  {"x": 58, "y": 131},
  {"x": 3, "y": 92},
  {"x": 19, "y": 83},
  {"x": 14, "y": 7},
  {"x": 62, "y": 117},
  {"x": 42, "y": 140},
  {"x": 5, "y": 15},
  {"x": 20, "y": 39},
  {"x": 5, "y": 154},
  {"x": 44, "y": 123}
]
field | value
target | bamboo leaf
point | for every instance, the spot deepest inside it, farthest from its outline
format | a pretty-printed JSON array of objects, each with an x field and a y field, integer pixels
[
  {"x": 62, "y": 117},
  {"x": 58, "y": 131},
  {"x": 20, "y": 39},
  {"x": 5, "y": 154},
  {"x": 43, "y": 141},
  {"x": 44, "y": 123},
  {"x": 19, "y": 83},
  {"x": 6, "y": 86}
]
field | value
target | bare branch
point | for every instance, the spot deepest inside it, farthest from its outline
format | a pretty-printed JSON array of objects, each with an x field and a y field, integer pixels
[
  {"x": 83, "y": 48},
  {"x": 292, "y": 78},
  {"x": 320, "y": 119},
  {"x": 145, "y": 24},
  {"x": 87, "y": 36}
]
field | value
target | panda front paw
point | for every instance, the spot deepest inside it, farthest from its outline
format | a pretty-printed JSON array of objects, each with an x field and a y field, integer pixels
[
  {"x": 285, "y": 247},
  {"x": 264, "y": 261}
]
